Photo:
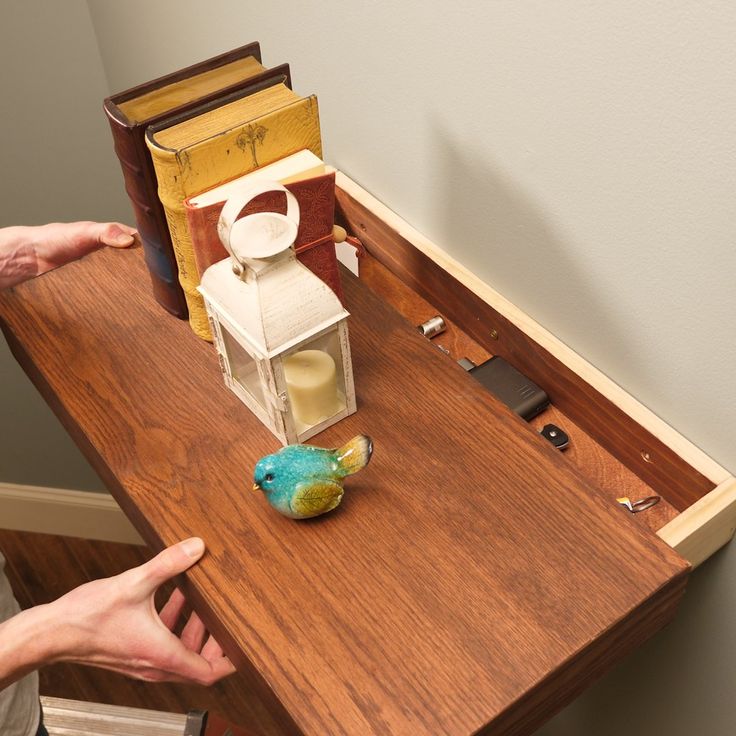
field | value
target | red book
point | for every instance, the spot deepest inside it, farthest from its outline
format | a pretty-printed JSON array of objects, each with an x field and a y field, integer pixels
[{"x": 313, "y": 185}]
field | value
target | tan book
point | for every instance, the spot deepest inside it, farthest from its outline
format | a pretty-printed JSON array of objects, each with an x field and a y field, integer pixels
[{"x": 217, "y": 144}]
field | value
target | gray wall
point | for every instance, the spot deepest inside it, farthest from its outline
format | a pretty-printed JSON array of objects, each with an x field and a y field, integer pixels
[
  {"x": 577, "y": 156},
  {"x": 57, "y": 165}
]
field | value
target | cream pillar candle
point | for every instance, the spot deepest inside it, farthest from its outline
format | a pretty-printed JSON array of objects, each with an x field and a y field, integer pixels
[{"x": 311, "y": 380}]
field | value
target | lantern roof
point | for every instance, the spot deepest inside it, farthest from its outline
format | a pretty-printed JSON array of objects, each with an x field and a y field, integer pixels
[{"x": 277, "y": 304}]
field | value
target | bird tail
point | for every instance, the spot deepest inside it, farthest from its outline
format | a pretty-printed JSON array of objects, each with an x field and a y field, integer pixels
[{"x": 354, "y": 455}]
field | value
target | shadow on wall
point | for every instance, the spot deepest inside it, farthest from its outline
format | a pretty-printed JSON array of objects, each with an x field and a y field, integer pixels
[
  {"x": 36, "y": 450},
  {"x": 682, "y": 682},
  {"x": 491, "y": 224}
]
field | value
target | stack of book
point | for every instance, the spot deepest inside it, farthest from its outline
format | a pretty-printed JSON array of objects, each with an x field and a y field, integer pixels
[{"x": 187, "y": 140}]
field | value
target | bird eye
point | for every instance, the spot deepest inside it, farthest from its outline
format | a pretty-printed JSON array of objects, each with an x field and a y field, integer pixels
[{"x": 269, "y": 477}]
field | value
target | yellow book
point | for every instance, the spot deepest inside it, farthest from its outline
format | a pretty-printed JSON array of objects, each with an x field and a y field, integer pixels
[{"x": 220, "y": 144}]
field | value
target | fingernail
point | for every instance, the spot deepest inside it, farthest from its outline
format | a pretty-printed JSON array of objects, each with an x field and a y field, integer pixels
[
  {"x": 117, "y": 236},
  {"x": 194, "y": 547}
]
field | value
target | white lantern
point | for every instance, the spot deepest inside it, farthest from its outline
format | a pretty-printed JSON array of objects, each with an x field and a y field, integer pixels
[{"x": 280, "y": 331}]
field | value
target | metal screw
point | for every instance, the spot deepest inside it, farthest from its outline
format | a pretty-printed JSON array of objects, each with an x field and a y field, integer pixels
[{"x": 493, "y": 334}]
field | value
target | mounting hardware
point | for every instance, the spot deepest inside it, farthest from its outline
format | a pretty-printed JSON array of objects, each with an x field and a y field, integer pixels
[
  {"x": 556, "y": 436},
  {"x": 641, "y": 505},
  {"x": 513, "y": 388},
  {"x": 432, "y": 327},
  {"x": 466, "y": 363}
]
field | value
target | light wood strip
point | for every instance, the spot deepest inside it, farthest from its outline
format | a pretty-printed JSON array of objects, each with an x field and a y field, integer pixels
[
  {"x": 65, "y": 513},
  {"x": 600, "y": 382},
  {"x": 706, "y": 526},
  {"x": 76, "y": 718}
]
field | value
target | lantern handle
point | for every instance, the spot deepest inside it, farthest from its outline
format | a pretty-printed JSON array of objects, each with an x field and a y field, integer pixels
[{"x": 261, "y": 234}]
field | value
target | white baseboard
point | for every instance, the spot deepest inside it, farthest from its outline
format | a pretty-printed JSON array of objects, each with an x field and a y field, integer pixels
[{"x": 64, "y": 512}]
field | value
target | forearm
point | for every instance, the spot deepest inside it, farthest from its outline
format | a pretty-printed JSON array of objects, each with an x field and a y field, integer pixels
[
  {"x": 18, "y": 260},
  {"x": 28, "y": 640}
]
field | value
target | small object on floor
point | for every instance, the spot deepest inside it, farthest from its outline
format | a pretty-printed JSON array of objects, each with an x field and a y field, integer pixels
[
  {"x": 302, "y": 481},
  {"x": 218, "y": 726},
  {"x": 556, "y": 436},
  {"x": 641, "y": 505}
]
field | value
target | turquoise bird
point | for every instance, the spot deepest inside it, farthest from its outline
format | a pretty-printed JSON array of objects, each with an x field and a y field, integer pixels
[{"x": 301, "y": 481}]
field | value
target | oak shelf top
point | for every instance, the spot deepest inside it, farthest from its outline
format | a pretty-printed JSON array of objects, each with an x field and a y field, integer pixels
[{"x": 470, "y": 580}]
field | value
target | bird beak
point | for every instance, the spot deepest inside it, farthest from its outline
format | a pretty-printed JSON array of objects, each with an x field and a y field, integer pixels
[{"x": 256, "y": 487}]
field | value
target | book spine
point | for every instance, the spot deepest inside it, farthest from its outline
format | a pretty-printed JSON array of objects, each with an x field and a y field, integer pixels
[
  {"x": 139, "y": 177},
  {"x": 169, "y": 166},
  {"x": 218, "y": 159},
  {"x": 206, "y": 245}
]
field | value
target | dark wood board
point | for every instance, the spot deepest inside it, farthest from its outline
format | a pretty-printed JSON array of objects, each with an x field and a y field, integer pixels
[
  {"x": 595, "y": 463},
  {"x": 643, "y": 453},
  {"x": 471, "y": 581}
]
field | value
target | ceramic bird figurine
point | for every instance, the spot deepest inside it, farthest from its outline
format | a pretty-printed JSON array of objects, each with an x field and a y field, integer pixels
[{"x": 301, "y": 481}]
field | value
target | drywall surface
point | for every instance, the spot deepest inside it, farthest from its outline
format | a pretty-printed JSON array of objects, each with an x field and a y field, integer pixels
[{"x": 57, "y": 165}]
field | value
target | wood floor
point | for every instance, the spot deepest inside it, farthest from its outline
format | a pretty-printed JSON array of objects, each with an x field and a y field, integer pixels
[{"x": 42, "y": 567}]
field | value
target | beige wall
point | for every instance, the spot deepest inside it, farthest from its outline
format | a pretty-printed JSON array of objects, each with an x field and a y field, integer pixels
[{"x": 578, "y": 156}]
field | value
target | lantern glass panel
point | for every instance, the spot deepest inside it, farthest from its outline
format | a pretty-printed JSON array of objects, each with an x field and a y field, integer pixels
[
  {"x": 315, "y": 380},
  {"x": 243, "y": 367}
]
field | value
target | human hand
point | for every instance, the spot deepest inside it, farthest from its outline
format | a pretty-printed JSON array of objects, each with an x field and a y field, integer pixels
[
  {"x": 112, "y": 623},
  {"x": 61, "y": 242},
  {"x": 26, "y": 251}
]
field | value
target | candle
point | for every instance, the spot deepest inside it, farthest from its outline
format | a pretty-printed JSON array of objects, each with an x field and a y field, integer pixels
[{"x": 311, "y": 380}]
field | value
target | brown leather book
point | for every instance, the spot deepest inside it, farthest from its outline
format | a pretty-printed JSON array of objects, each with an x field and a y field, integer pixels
[
  {"x": 313, "y": 185},
  {"x": 132, "y": 111}
]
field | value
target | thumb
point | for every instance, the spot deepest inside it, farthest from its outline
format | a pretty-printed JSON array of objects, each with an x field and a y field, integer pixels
[
  {"x": 172, "y": 561},
  {"x": 117, "y": 235}
]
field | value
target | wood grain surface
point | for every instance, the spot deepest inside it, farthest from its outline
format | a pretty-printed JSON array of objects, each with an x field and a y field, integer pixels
[
  {"x": 596, "y": 463},
  {"x": 471, "y": 582},
  {"x": 643, "y": 453}
]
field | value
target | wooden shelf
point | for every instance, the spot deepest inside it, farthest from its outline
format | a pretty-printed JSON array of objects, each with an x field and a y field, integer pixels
[
  {"x": 621, "y": 446},
  {"x": 474, "y": 580},
  {"x": 594, "y": 461}
]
